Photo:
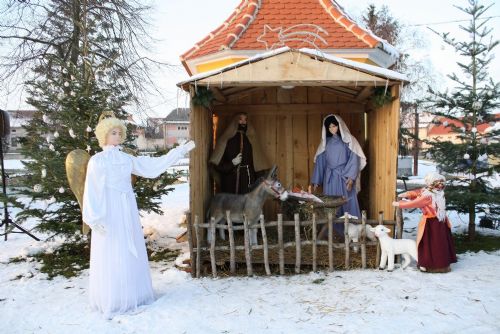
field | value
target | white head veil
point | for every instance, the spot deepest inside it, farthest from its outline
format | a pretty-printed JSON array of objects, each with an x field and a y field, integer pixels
[{"x": 347, "y": 138}]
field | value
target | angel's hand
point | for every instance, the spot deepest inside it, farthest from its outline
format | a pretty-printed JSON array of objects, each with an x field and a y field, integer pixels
[{"x": 188, "y": 146}]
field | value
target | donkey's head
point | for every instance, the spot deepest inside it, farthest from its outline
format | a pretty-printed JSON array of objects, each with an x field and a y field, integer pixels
[{"x": 273, "y": 186}]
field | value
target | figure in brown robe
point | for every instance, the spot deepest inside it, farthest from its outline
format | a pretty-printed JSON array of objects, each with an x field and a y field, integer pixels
[{"x": 236, "y": 157}]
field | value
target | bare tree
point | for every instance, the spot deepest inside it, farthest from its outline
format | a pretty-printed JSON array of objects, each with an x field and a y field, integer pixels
[
  {"x": 420, "y": 72},
  {"x": 76, "y": 59},
  {"x": 108, "y": 36}
]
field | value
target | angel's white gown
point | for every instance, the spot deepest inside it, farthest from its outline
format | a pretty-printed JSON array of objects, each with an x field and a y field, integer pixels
[{"x": 120, "y": 280}]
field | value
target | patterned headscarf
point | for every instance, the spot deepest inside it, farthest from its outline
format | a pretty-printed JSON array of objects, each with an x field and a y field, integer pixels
[{"x": 435, "y": 188}]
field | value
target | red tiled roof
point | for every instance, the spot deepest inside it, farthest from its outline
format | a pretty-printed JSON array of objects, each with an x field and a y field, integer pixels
[
  {"x": 440, "y": 129},
  {"x": 244, "y": 29}
]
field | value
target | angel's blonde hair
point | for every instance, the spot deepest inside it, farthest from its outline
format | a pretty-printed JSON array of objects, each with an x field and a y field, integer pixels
[{"x": 105, "y": 126}]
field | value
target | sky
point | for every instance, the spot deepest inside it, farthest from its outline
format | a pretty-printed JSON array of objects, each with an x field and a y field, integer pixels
[
  {"x": 182, "y": 23},
  {"x": 178, "y": 24}
]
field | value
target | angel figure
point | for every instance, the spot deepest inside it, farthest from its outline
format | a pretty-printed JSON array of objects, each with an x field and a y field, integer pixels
[{"x": 120, "y": 280}]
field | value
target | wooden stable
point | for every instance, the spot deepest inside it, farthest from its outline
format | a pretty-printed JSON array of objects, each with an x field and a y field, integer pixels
[{"x": 286, "y": 94}]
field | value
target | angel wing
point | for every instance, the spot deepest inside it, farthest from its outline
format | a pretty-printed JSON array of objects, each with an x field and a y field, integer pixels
[{"x": 76, "y": 170}]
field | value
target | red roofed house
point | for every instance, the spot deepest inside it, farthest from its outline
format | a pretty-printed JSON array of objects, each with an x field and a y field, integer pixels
[
  {"x": 256, "y": 25},
  {"x": 288, "y": 64},
  {"x": 441, "y": 129}
]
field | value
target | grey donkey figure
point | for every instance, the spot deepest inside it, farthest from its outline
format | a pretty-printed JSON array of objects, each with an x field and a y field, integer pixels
[{"x": 248, "y": 205}]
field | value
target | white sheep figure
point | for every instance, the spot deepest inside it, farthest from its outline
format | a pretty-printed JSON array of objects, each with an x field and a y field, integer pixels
[
  {"x": 391, "y": 247},
  {"x": 354, "y": 233}
]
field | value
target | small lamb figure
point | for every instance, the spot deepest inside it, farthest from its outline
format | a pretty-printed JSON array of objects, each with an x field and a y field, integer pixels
[
  {"x": 391, "y": 247},
  {"x": 354, "y": 233}
]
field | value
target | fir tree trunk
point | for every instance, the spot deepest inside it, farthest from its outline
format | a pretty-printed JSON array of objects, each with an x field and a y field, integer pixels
[{"x": 472, "y": 222}]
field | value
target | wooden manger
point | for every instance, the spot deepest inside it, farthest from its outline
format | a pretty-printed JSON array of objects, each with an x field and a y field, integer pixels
[{"x": 219, "y": 252}]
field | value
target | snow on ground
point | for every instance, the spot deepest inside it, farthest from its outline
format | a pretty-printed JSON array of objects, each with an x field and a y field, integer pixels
[{"x": 356, "y": 301}]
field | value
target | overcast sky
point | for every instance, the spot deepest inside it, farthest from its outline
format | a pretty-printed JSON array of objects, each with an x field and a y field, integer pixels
[{"x": 178, "y": 24}]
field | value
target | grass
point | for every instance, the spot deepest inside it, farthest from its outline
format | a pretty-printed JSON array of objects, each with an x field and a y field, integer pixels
[
  {"x": 487, "y": 243},
  {"x": 68, "y": 260},
  {"x": 71, "y": 258},
  {"x": 163, "y": 255}
]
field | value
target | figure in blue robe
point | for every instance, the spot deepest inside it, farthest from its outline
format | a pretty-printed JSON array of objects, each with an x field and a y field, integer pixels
[{"x": 338, "y": 163}]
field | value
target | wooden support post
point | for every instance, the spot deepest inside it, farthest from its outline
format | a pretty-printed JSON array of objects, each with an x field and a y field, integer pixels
[
  {"x": 212, "y": 247},
  {"x": 380, "y": 222},
  {"x": 314, "y": 240},
  {"x": 399, "y": 223},
  {"x": 281, "y": 249},
  {"x": 198, "y": 246},
  {"x": 190, "y": 243},
  {"x": 346, "y": 240},
  {"x": 399, "y": 230},
  {"x": 232, "y": 251},
  {"x": 330, "y": 241},
  {"x": 363, "y": 239},
  {"x": 264, "y": 245},
  {"x": 248, "y": 255},
  {"x": 298, "y": 246}
]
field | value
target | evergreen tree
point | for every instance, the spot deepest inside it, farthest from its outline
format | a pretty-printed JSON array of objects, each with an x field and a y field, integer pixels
[
  {"x": 418, "y": 71},
  {"x": 469, "y": 106},
  {"x": 82, "y": 59}
]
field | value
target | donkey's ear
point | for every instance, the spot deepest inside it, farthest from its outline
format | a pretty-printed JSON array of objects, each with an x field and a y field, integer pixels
[{"x": 273, "y": 172}]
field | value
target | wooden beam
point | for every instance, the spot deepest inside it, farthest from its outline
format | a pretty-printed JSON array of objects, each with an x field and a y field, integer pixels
[
  {"x": 365, "y": 92},
  {"x": 311, "y": 83},
  {"x": 288, "y": 108},
  {"x": 330, "y": 90},
  {"x": 231, "y": 90},
  {"x": 348, "y": 90},
  {"x": 218, "y": 94},
  {"x": 242, "y": 93}
]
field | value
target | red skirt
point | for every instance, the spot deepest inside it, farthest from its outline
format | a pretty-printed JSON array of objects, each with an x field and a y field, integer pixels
[{"x": 436, "y": 249}]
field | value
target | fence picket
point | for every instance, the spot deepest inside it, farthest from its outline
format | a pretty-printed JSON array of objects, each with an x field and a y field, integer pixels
[
  {"x": 346, "y": 240},
  {"x": 232, "y": 252},
  {"x": 264, "y": 245},
  {"x": 298, "y": 246},
  {"x": 198, "y": 246},
  {"x": 248, "y": 255},
  {"x": 281, "y": 249},
  {"x": 330, "y": 241},
  {"x": 212, "y": 247},
  {"x": 363, "y": 239},
  {"x": 314, "y": 244}
]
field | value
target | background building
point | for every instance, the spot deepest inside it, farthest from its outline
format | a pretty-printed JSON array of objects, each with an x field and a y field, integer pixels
[{"x": 164, "y": 133}]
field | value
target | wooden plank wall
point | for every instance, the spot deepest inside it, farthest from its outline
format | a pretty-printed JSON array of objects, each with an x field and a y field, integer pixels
[
  {"x": 200, "y": 189},
  {"x": 383, "y": 124},
  {"x": 290, "y": 136}
]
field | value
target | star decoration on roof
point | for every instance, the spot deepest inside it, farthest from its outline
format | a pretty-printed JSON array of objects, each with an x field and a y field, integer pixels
[
  {"x": 305, "y": 33},
  {"x": 271, "y": 37}
]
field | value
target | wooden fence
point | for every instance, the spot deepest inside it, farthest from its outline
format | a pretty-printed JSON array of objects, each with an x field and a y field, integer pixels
[{"x": 197, "y": 249}]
